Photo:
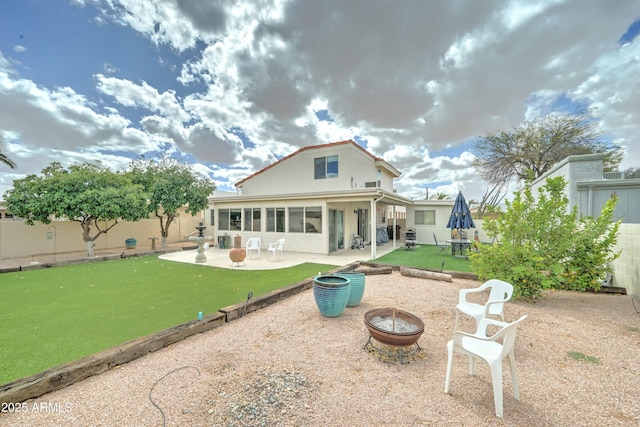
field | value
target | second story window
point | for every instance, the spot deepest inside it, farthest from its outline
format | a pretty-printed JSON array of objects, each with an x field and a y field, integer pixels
[{"x": 325, "y": 167}]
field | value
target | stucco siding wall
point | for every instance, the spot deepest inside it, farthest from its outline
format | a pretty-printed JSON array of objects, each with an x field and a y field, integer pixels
[
  {"x": 574, "y": 169},
  {"x": 296, "y": 175}
]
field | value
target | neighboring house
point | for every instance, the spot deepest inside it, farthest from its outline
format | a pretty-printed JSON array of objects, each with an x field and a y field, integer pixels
[
  {"x": 317, "y": 199},
  {"x": 588, "y": 188}
]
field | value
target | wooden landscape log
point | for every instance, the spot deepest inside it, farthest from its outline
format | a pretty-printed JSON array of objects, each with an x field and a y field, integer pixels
[
  {"x": 610, "y": 290},
  {"x": 236, "y": 311},
  {"x": 63, "y": 375},
  {"x": 368, "y": 268},
  {"x": 374, "y": 270},
  {"x": 425, "y": 274}
]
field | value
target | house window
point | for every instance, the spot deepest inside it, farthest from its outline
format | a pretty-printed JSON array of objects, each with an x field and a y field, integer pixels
[
  {"x": 296, "y": 220},
  {"x": 213, "y": 217},
  {"x": 235, "y": 219},
  {"x": 313, "y": 220},
  {"x": 223, "y": 219},
  {"x": 305, "y": 220},
  {"x": 229, "y": 219},
  {"x": 325, "y": 167},
  {"x": 252, "y": 219},
  {"x": 275, "y": 220},
  {"x": 425, "y": 217}
]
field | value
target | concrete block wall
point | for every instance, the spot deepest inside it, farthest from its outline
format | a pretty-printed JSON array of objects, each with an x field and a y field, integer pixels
[
  {"x": 626, "y": 269},
  {"x": 20, "y": 240}
]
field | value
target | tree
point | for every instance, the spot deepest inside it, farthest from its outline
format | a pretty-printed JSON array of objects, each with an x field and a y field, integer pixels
[
  {"x": 632, "y": 173},
  {"x": 491, "y": 199},
  {"x": 88, "y": 193},
  {"x": 545, "y": 245},
  {"x": 3, "y": 158},
  {"x": 170, "y": 186},
  {"x": 440, "y": 196},
  {"x": 532, "y": 149}
]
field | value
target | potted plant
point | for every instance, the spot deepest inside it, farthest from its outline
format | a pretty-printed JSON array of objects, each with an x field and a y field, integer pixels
[
  {"x": 331, "y": 294},
  {"x": 357, "y": 287},
  {"x": 130, "y": 243}
]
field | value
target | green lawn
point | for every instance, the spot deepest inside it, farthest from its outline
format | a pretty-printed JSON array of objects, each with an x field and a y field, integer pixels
[
  {"x": 56, "y": 315},
  {"x": 426, "y": 256}
]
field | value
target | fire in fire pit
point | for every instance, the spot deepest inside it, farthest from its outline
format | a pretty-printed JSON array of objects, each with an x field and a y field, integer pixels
[{"x": 393, "y": 327}]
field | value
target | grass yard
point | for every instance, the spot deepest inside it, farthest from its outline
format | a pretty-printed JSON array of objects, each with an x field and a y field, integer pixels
[
  {"x": 426, "y": 256},
  {"x": 56, "y": 315}
]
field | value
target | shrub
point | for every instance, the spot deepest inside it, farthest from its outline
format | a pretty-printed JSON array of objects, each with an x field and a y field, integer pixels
[
  {"x": 544, "y": 245},
  {"x": 521, "y": 265},
  {"x": 590, "y": 254}
]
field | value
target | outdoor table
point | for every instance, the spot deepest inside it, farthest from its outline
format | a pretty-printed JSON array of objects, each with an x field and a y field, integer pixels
[
  {"x": 153, "y": 243},
  {"x": 459, "y": 245}
]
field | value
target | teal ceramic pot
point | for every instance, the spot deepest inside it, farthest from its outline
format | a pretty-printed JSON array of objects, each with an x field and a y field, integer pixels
[
  {"x": 357, "y": 287},
  {"x": 331, "y": 294}
]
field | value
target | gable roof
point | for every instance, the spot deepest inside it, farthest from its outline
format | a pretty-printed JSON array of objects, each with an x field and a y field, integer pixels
[{"x": 378, "y": 160}]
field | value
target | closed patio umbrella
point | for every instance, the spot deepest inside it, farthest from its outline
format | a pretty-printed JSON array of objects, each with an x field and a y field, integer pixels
[{"x": 460, "y": 214}]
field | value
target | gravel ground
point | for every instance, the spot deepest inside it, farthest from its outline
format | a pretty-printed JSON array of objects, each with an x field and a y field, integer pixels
[{"x": 286, "y": 365}]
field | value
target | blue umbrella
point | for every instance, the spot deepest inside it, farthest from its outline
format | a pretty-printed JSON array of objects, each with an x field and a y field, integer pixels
[{"x": 460, "y": 214}]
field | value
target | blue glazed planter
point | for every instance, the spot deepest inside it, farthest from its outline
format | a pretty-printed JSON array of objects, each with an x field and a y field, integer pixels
[
  {"x": 357, "y": 287},
  {"x": 331, "y": 294}
]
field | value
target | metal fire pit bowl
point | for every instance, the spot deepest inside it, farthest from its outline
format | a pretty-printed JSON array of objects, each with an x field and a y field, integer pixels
[{"x": 395, "y": 328}]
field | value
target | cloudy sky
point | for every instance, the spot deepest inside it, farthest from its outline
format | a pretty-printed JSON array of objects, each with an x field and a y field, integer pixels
[{"x": 232, "y": 86}]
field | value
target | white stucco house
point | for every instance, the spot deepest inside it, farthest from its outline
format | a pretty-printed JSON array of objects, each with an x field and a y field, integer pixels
[{"x": 318, "y": 198}]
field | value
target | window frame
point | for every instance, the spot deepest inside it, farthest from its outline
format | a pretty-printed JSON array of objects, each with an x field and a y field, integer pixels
[
  {"x": 326, "y": 167},
  {"x": 425, "y": 216},
  {"x": 250, "y": 219},
  {"x": 300, "y": 222},
  {"x": 275, "y": 220}
]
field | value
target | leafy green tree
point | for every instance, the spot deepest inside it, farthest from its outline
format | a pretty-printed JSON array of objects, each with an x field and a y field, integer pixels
[
  {"x": 545, "y": 245},
  {"x": 88, "y": 193},
  {"x": 171, "y": 186}
]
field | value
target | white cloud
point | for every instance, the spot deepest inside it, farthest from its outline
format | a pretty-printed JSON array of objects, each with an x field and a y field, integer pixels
[{"x": 142, "y": 96}]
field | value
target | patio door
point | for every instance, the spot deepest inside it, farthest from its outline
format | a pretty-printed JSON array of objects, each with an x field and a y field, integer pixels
[{"x": 336, "y": 230}]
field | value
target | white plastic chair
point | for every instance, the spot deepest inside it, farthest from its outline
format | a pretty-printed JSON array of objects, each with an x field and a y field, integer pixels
[
  {"x": 500, "y": 292},
  {"x": 488, "y": 348},
  {"x": 275, "y": 249},
  {"x": 253, "y": 245}
]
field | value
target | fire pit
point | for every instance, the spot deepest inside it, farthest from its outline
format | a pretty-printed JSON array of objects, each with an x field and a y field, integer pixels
[{"x": 393, "y": 327}]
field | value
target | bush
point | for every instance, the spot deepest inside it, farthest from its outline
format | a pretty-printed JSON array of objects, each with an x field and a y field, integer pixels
[
  {"x": 590, "y": 254},
  {"x": 520, "y": 265},
  {"x": 544, "y": 245}
]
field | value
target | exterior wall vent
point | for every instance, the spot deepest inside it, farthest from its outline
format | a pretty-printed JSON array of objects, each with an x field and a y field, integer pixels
[{"x": 613, "y": 175}]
